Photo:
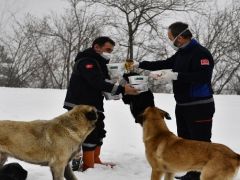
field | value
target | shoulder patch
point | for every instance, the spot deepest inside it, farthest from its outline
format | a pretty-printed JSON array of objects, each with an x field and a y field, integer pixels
[
  {"x": 89, "y": 66},
  {"x": 204, "y": 62}
]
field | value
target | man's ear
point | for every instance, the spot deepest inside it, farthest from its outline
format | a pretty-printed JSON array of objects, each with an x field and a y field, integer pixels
[{"x": 97, "y": 48}]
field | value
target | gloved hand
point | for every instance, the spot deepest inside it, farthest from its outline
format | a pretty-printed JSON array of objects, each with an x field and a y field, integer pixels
[
  {"x": 155, "y": 76},
  {"x": 135, "y": 64},
  {"x": 131, "y": 64},
  {"x": 166, "y": 76},
  {"x": 130, "y": 90}
]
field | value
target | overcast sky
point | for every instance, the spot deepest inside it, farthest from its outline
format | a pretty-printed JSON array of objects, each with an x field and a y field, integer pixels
[
  {"x": 36, "y": 7},
  {"x": 40, "y": 8}
]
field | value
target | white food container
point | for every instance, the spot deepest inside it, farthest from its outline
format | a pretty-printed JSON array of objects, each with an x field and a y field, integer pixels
[
  {"x": 115, "y": 69},
  {"x": 138, "y": 79},
  {"x": 141, "y": 87},
  {"x": 139, "y": 82}
]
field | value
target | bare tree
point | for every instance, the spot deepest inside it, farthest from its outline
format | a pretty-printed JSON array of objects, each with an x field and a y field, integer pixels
[
  {"x": 18, "y": 46},
  {"x": 39, "y": 52},
  {"x": 42, "y": 50},
  {"x": 58, "y": 39},
  {"x": 5, "y": 62},
  {"x": 222, "y": 38},
  {"x": 136, "y": 20},
  {"x": 235, "y": 86}
]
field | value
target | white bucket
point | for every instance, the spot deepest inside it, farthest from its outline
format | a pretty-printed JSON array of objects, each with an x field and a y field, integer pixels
[
  {"x": 141, "y": 87},
  {"x": 115, "y": 69},
  {"x": 139, "y": 82},
  {"x": 138, "y": 79}
]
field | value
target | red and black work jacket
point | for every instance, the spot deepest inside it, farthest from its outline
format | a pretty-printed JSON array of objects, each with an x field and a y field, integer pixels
[{"x": 88, "y": 81}]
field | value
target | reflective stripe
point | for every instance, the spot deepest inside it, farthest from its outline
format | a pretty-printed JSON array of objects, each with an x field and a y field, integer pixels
[
  {"x": 69, "y": 104},
  {"x": 89, "y": 145},
  {"x": 196, "y": 102},
  {"x": 203, "y": 121}
]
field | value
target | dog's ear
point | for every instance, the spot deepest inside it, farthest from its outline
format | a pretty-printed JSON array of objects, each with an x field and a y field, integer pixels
[
  {"x": 166, "y": 115},
  {"x": 91, "y": 115}
]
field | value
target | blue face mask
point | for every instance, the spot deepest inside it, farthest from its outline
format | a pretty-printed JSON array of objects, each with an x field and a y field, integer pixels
[{"x": 172, "y": 43}]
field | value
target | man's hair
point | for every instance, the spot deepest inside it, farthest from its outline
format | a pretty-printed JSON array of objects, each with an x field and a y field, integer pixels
[
  {"x": 178, "y": 27},
  {"x": 102, "y": 40}
]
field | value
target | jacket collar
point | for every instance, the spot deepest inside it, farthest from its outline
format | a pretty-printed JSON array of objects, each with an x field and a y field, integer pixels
[
  {"x": 190, "y": 45},
  {"x": 91, "y": 53}
]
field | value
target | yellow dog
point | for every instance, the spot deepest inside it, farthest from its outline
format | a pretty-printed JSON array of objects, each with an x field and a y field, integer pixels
[
  {"x": 51, "y": 143},
  {"x": 168, "y": 154}
]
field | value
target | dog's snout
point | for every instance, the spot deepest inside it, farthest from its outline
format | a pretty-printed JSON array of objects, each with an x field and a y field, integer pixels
[{"x": 91, "y": 115}]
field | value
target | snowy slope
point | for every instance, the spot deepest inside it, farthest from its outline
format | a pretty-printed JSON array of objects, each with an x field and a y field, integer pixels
[{"x": 123, "y": 144}]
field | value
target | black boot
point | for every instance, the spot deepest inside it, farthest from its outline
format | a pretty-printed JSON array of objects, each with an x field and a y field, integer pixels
[{"x": 191, "y": 175}]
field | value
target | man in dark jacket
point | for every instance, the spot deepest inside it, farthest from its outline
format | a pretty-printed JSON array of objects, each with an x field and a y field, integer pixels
[
  {"x": 192, "y": 67},
  {"x": 87, "y": 84}
]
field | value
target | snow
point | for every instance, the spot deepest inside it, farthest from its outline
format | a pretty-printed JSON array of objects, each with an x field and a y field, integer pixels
[{"x": 123, "y": 144}]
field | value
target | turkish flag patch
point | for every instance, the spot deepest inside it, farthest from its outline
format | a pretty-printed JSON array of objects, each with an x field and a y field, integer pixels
[
  {"x": 89, "y": 66},
  {"x": 204, "y": 62}
]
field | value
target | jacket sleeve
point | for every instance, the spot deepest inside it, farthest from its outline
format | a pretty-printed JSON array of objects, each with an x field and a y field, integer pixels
[
  {"x": 158, "y": 65},
  {"x": 126, "y": 99},
  {"x": 204, "y": 65},
  {"x": 90, "y": 71}
]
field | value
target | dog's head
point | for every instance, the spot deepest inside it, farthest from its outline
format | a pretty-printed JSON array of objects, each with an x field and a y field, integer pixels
[
  {"x": 85, "y": 116},
  {"x": 153, "y": 122},
  {"x": 153, "y": 113}
]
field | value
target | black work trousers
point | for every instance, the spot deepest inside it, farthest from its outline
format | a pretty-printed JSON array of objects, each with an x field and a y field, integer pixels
[
  {"x": 96, "y": 136},
  {"x": 195, "y": 121}
]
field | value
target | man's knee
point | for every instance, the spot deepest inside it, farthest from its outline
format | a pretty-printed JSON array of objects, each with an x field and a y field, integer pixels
[
  {"x": 202, "y": 130},
  {"x": 183, "y": 133}
]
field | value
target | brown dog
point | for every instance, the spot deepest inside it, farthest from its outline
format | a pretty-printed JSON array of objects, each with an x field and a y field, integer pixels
[
  {"x": 50, "y": 143},
  {"x": 168, "y": 154}
]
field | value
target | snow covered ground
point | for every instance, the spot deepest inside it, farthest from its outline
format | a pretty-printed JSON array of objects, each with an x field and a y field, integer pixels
[{"x": 123, "y": 144}]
